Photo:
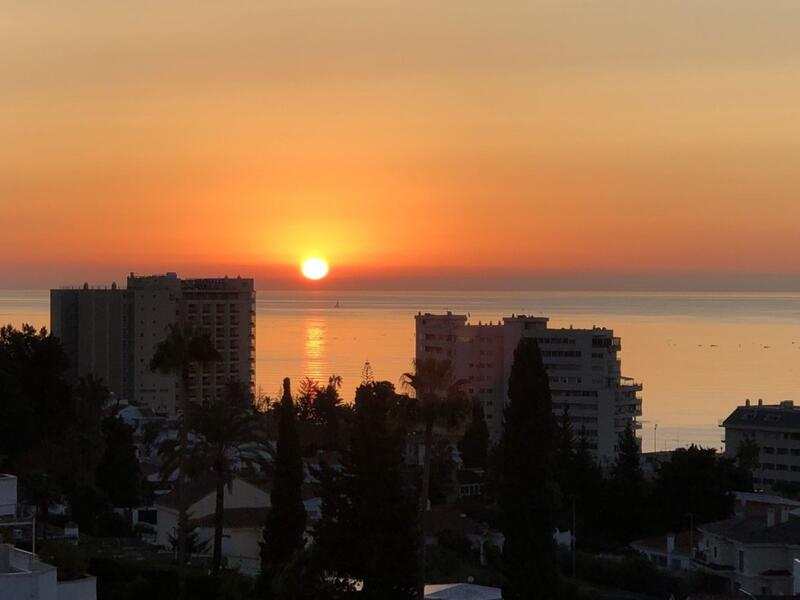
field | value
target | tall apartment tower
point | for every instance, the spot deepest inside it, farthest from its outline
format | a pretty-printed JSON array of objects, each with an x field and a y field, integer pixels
[
  {"x": 582, "y": 365},
  {"x": 93, "y": 325},
  {"x": 116, "y": 330}
]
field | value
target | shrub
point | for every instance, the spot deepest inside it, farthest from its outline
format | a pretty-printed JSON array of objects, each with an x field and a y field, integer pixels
[{"x": 66, "y": 557}]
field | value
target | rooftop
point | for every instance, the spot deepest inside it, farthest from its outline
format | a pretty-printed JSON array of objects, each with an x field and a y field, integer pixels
[
  {"x": 776, "y": 416},
  {"x": 753, "y": 530}
]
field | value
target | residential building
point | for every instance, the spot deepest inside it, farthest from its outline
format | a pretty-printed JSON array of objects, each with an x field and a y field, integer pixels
[
  {"x": 94, "y": 328},
  {"x": 24, "y": 575},
  {"x": 246, "y": 505},
  {"x": 756, "y": 550},
  {"x": 112, "y": 333},
  {"x": 582, "y": 364},
  {"x": 775, "y": 428}
]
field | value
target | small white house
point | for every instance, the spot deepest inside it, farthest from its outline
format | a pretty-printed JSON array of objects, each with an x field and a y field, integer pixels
[
  {"x": 201, "y": 500},
  {"x": 244, "y": 514}
]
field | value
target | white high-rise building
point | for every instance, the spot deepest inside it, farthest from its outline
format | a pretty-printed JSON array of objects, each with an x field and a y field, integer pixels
[{"x": 582, "y": 364}]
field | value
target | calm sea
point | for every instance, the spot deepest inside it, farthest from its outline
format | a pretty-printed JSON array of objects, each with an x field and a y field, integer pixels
[{"x": 698, "y": 355}]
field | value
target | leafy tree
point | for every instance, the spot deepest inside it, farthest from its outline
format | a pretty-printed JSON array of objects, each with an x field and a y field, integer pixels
[
  {"x": 368, "y": 528},
  {"x": 439, "y": 398},
  {"x": 628, "y": 490},
  {"x": 228, "y": 437},
  {"x": 286, "y": 520},
  {"x": 526, "y": 455},
  {"x": 307, "y": 393},
  {"x": 747, "y": 454},
  {"x": 119, "y": 471},
  {"x": 326, "y": 405},
  {"x": 697, "y": 482},
  {"x": 194, "y": 545},
  {"x": 474, "y": 445},
  {"x": 184, "y": 346}
]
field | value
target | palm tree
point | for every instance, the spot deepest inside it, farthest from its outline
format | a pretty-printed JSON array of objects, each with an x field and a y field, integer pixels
[
  {"x": 185, "y": 345},
  {"x": 229, "y": 437},
  {"x": 439, "y": 399}
]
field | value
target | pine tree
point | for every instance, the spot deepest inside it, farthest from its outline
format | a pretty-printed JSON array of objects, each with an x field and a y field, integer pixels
[
  {"x": 286, "y": 520},
  {"x": 526, "y": 488},
  {"x": 474, "y": 445}
]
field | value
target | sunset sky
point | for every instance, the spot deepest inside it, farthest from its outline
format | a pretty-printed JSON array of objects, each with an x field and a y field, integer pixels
[{"x": 413, "y": 144}]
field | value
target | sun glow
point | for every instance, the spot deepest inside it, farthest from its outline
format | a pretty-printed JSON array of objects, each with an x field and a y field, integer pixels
[{"x": 315, "y": 268}]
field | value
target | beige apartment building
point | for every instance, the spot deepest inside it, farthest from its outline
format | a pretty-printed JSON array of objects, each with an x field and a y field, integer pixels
[
  {"x": 583, "y": 366},
  {"x": 113, "y": 334}
]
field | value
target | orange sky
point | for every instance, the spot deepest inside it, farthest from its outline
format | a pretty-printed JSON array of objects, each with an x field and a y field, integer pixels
[{"x": 410, "y": 143}]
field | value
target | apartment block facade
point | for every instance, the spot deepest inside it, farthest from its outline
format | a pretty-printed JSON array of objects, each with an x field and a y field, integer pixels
[
  {"x": 582, "y": 364},
  {"x": 775, "y": 428},
  {"x": 112, "y": 333}
]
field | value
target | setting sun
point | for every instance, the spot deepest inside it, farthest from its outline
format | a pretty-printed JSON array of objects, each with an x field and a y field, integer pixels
[{"x": 315, "y": 268}]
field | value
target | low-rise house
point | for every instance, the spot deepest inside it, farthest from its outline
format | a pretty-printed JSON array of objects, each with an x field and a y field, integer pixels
[
  {"x": 756, "y": 550},
  {"x": 246, "y": 505},
  {"x": 201, "y": 501}
]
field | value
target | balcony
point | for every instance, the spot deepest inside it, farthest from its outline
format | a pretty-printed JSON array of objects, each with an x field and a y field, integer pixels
[{"x": 628, "y": 383}]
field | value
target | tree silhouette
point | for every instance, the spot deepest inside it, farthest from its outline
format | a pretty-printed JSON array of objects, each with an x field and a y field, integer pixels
[
  {"x": 438, "y": 399},
  {"x": 229, "y": 437},
  {"x": 119, "y": 472},
  {"x": 628, "y": 488},
  {"x": 368, "y": 528},
  {"x": 286, "y": 520},
  {"x": 474, "y": 445},
  {"x": 526, "y": 454},
  {"x": 184, "y": 346}
]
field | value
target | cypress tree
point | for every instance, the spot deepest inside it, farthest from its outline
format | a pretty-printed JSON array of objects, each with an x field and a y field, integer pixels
[
  {"x": 286, "y": 520},
  {"x": 526, "y": 488}
]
